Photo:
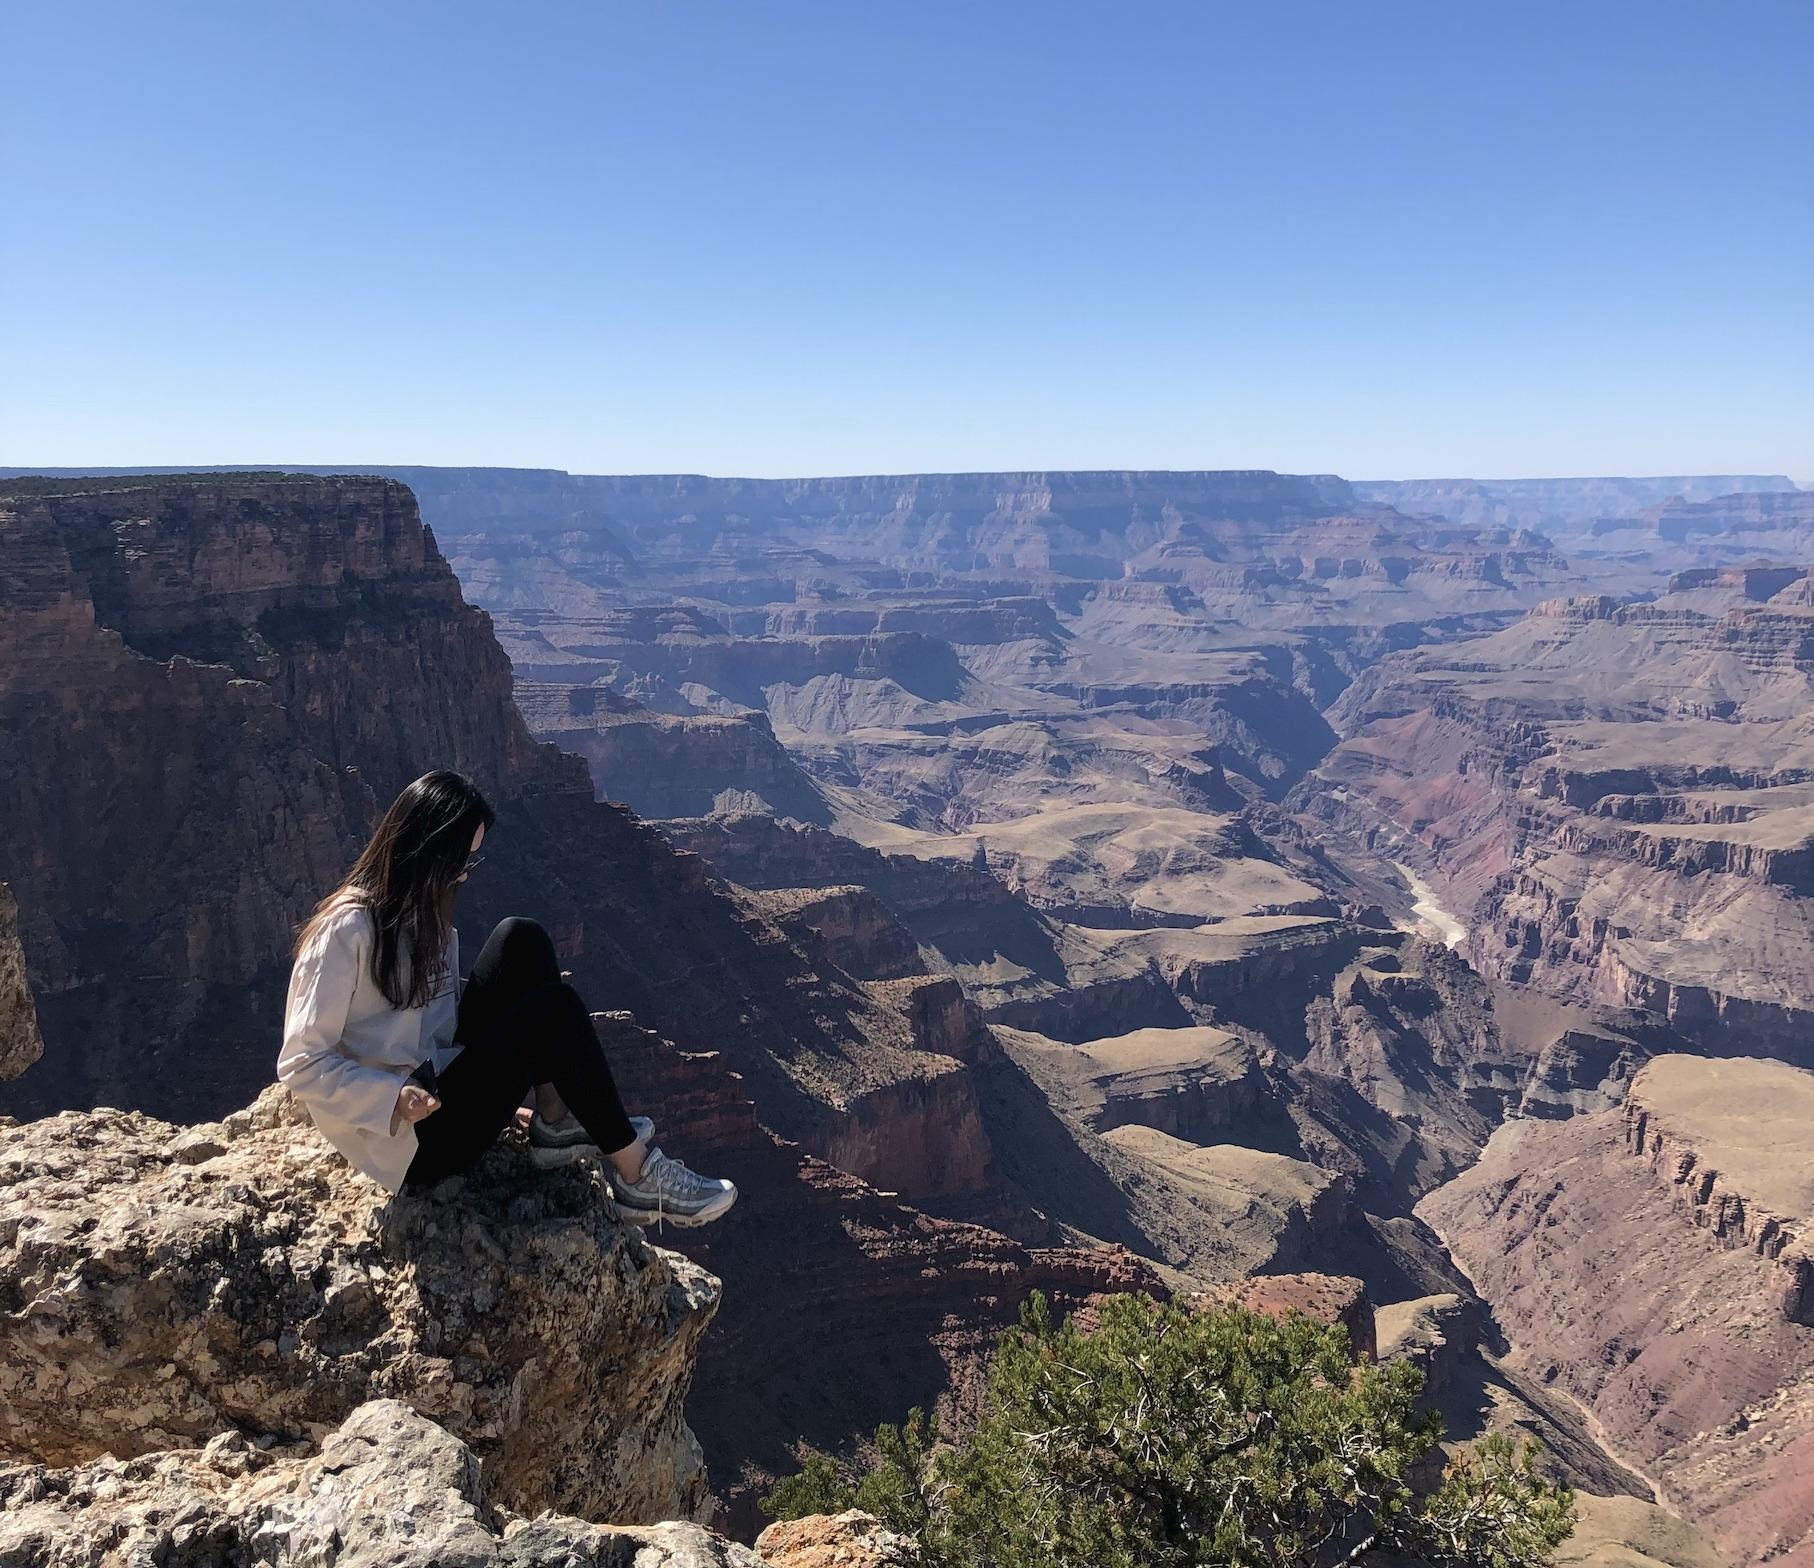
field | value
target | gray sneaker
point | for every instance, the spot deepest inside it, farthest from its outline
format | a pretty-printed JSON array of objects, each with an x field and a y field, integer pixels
[
  {"x": 563, "y": 1142},
  {"x": 667, "y": 1190}
]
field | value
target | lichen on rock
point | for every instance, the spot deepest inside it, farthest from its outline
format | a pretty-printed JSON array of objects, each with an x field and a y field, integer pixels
[{"x": 162, "y": 1285}]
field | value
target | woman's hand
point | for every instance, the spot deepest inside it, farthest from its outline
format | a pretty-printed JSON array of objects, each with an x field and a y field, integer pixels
[{"x": 413, "y": 1103}]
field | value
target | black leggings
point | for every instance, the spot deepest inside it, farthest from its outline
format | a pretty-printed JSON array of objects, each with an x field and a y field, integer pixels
[{"x": 519, "y": 1024}]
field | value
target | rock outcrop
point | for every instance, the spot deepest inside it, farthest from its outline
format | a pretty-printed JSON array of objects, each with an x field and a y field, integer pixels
[
  {"x": 20, "y": 1045},
  {"x": 1326, "y": 1298},
  {"x": 671, "y": 765},
  {"x": 162, "y": 1285},
  {"x": 1628, "y": 1256},
  {"x": 1731, "y": 1140},
  {"x": 847, "y": 1540},
  {"x": 388, "y": 1488}
]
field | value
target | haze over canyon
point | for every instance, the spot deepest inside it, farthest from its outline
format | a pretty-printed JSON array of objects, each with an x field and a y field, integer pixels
[{"x": 1392, "y": 900}]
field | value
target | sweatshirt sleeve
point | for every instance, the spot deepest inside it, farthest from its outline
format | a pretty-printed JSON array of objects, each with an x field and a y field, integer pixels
[{"x": 312, "y": 1063}]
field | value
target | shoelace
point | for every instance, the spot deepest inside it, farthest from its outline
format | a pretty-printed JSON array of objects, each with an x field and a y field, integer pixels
[
  {"x": 661, "y": 1192},
  {"x": 684, "y": 1178}
]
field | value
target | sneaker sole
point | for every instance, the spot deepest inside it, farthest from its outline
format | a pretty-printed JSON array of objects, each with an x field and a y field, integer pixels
[{"x": 716, "y": 1209}]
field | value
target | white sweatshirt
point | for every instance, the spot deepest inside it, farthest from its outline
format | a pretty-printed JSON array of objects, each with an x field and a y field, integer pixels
[{"x": 347, "y": 1051}]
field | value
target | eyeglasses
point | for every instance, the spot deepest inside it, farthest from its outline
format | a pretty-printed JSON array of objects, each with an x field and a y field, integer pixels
[{"x": 473, "y": 862}]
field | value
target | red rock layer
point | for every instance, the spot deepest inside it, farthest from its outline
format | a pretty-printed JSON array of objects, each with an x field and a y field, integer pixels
[{"x": 1613, "y": 1286}]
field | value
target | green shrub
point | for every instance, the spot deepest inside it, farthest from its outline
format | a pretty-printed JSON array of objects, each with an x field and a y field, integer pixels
[{"x": 1167, "y": 1438}]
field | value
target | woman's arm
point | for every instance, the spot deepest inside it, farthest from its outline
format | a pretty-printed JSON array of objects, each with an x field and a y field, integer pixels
[{"x": 311, "y": 1063}]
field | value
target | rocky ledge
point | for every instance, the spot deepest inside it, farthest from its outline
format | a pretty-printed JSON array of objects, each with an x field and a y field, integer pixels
[
  {"x": 847, "y": 1540},
  {"x": 388, "y": 1487},
  {"x": 1729, "y": 1138},
  {"x": 161, "y": 1286}
]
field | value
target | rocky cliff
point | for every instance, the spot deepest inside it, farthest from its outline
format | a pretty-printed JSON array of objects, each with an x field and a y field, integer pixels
[
  {"x": 1648, "y": 1262},
  {"x": 1727, "y": 1138},
  {"x": 161, "y": 1285},
  {"x": 216, "y": 681}
]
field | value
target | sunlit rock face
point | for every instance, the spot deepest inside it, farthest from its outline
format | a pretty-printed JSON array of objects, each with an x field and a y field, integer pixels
[
  {"x": 1652, "y": 1262},
  {"x": 161, "y": 1285},
  {"x": 388, "y": 1486}
]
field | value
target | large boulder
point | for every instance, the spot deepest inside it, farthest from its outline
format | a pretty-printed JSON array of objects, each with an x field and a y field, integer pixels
[
  {"x": 847, "y": 1540},
  {"x": 389, "y": 1489},
  {"x": 162, "y": 1285}
]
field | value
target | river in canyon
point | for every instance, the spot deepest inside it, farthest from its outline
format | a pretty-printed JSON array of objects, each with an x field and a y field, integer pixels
[{"x": 1431, "y": 913}]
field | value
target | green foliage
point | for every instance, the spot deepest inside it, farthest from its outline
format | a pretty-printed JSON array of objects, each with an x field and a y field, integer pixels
[
  {"x": 819, "y": 1488},
  {"x": 899, "y": 1487},
  {"x": 1493, "y": 1510},
  {"x": 1166, "y": 1438},
  {"x": 896, "y": 1488}
]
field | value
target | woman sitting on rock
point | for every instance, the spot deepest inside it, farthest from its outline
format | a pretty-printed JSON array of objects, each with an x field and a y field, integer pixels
[{"x": 411, "y": 1074}]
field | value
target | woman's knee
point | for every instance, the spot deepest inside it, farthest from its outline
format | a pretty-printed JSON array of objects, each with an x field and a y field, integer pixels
[{"x": 523, "y": 943}]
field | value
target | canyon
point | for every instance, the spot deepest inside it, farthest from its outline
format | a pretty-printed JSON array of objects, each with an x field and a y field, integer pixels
[
  {"x": 1237, "y": 885},
  {"x": 1651, "y": 1262},
  {"x": 1615, "y": 798}
]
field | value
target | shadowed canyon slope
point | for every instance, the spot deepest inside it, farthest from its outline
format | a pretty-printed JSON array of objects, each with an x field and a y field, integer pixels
[{"x": 1090, "y": 881}]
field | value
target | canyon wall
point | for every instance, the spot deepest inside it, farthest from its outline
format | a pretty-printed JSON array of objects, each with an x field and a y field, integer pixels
[
  {"x": 1651, "y": 1262},
  {"x": 1618, "y": 798}
]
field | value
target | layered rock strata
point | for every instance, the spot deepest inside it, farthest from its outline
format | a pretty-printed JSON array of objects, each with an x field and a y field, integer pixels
[
  {"x": 1730, "y": 1140},
  {"x": 1617, "y": 799},
  {"x": 1641, "y": 1261}
]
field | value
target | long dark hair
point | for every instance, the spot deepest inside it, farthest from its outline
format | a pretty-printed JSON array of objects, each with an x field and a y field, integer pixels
[{"x": 407, "y": 877}]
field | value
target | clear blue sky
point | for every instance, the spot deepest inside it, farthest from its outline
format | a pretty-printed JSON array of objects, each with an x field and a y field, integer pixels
[{"x": 1381, "y": 239}]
